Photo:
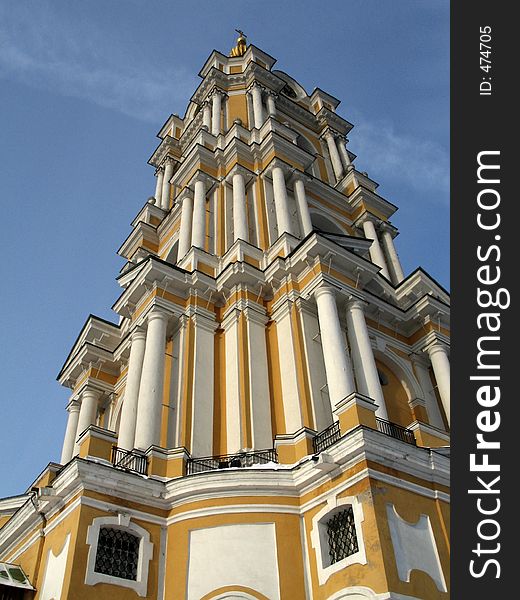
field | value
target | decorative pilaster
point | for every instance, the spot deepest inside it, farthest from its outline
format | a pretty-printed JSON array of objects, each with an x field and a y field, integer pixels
[
  {"x": 71, "y": 432},
  {"x": 441, "y": 369},
  {"x": 149, "y": 408},
  {"x": 340, "y": 379},
  {"x": 363, "y": 356},
  {"x": 240, "y": 226},
  {"x": 133, "y": 379},
  {"x": 301, "y": 202},
  {"x": 87, "y": 413}
]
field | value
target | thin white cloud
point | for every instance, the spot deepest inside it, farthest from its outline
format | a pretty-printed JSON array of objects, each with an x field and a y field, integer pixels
[
  {"x": 422, "y": 165},
  {"x": 46, "y": 52}
]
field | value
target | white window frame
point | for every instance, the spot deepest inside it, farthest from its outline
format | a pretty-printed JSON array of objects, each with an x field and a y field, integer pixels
[
  {"x": 319, "y": 537},
  {"x": 122, "y": 522}
]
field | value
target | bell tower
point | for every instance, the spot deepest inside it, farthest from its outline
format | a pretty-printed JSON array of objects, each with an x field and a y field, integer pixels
[{"x": 268, "y": 417}]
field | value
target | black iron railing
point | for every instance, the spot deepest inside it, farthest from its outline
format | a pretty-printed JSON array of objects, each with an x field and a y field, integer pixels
[
  {"x": 327, "y": 437},
  {"x": 226, "y": 461},
  {"x": 395, "y": 431},
  {"x": 129, "y": 461}
]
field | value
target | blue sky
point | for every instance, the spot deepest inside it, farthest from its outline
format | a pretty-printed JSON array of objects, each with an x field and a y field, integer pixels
[{"x": 84, "y": 88}]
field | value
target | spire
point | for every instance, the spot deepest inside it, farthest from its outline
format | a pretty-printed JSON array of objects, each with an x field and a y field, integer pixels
[{"x": 240, "y": 48}]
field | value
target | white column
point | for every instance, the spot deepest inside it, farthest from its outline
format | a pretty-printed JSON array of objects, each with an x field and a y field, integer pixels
[
  {"x": 234, "y": 399},
  {"x": 206, "y": 114},
  {"x": 376, "y": 254},
  {"x": 258, "y": 109},
  {"x": 186, "y": 220},
  {"x": 393, "y": 260},
  {"x": 363, "y": 356},
  {"x": 345, "y": 158},
  {"x": 216, "y": 107},
  {"x": 70, "y": 432},
  {"x": 87, "y": 412},
  {"x": 301, "y": 203},
  {"x": 340, "y": 379},
  {"x": 165, "y": 194},
  {"x": 432, "y": 406},
  {"x": 281, "y": 203},
  {"x": 271, "y": 106},
  {"x": 158, "y": 186},
  {"x": 198, "y": 233},
  {"x": 149, "y": 406},
  {"x": 240, "y": 228},
  {"x": 128, "y": 421},
  {"x": 441, "y": 370},
  {"x": 334, "y": 155}
]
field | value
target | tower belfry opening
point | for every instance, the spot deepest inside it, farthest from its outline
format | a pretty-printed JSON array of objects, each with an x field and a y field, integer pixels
[{"x": 268, "y": 416}]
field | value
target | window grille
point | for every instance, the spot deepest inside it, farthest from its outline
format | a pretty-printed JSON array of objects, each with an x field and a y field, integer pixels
[
  {"x": 342, "y": 537},
  {"x": 117, "y": 553}
]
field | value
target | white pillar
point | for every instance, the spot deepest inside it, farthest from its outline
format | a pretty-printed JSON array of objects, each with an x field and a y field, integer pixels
[
  {"x": 340, "y": 379},
  {"x": 258, "y": 109},
  {"x": 271, "y": 106},
  {"x": 165, "y": 194},
  {"x": 281, "y": 203},
  {"x": 87, "y": 412},
  {"x": 432, "y": 406},
  {"x": 185, "y": 230},
  {"x": 128, "y": 421},
  {"x": 301, "y": 203},
  {"x": 70, "y": 432},
  {"x": 376, "y": 254},
  {"x": 216, "y": 107},
  {"x": 393, "y": 260},
  {"x": 240, "y": 228},
  {"x": 345, "y": 158},
  {"x": 149, "y": 406},
  {"x": 198, "y": 232},
  {"x": 206, "y": 114},
  {"x": 334, "y": 155},
  {"x": 441, "y": 370},
  {"x": 363, "y": 357},
  {"x": 158, "y": 186}
]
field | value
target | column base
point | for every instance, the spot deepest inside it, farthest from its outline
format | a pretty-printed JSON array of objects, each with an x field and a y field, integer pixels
[
  {"x": 428, "y": 436},
  {"x": 292, "y": 447},
  {"x": 355, "y": 410}
]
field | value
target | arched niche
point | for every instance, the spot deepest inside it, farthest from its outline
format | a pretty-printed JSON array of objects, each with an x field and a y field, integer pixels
[
  {"x": 172, "y": 255},
  {"x": 325, "y": 224}
]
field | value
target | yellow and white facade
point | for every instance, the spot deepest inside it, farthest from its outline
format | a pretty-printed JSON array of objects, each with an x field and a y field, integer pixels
[{"x": 272, "y": 369}]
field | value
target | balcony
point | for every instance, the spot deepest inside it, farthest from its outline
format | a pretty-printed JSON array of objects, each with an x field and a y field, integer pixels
[
  {"x": 130, "y": 461},
  {"x": 395, "y": 431},
  {"x": 226, "y": 461},
  {"x": 326, "y": 438}
]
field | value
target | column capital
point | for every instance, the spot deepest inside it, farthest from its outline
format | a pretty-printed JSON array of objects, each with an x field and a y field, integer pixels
[
  {"x": 325, "y": 289},
  {"x": 217, "y": 91},
  {"x": 90, "y": 390},
  {"x": 297, "y": 175},
  {"x": 185, "y": 193},
  {"x": 157, "y": 313},
  {"x": 201, "y": 176},
  {"x": 168, "y": 160},
  {"x": 239, "y": 170},
  {"x": 138, "y": 334},
  {"x": 73, "y": 406},
  {"x": 278, "y": 163},
  {"x": 367, "y": 216},
  {"x": 386, "y": 227},
  {"x": 256, "y": 85},
  {"x": 159, "y": 171},
  {"x": 356, "y": 303},
  {"x": 435, "y": 347},
  {"x": 329, "y": 132}
]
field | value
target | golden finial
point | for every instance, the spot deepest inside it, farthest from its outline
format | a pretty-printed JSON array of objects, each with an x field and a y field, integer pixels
[{"x": 240, "y": 48}]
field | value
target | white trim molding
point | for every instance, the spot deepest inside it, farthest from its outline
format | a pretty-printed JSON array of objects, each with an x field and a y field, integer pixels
[
  {"x": 122, "y": 522},
  {"x": 319, "y": 537}
]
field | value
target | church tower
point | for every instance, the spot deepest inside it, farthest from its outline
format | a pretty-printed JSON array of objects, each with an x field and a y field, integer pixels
[{"x": 268, "y": 417}]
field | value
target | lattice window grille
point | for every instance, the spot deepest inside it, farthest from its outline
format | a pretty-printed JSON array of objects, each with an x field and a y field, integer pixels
[
  {"x": 117, "y": 553},
  {"x": 341, "y": 533}
]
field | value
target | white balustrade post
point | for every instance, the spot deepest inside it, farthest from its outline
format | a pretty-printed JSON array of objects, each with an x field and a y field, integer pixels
[
  {"x": 441, "y": 369},
  {"x": 340, "y": 379},
  {"x": 165, "y": 194},
  {"x": 281, "y": 203},
  {"x": 186, "y": 223},
  {"x": 149, "y": 405},
  {"x": 216, "y": 109},
  {"x": 376, "y": 253},
  {"x": 87, "y": 412},
  {"x": 240, "y": 228},
  {"x": 206, "y": 114},
  {"x": 393, "y": 259},
  {"x": 365, "y": 368},
  {"x": 126, "y": 437},
  {"x": 258, "y": 109},
  {"x": 70, "y": 432},
  {"x": 302, "y": 205},
  {"x": 198, "y": 234},
  {"x": 334, "y": 154},
  {"x": 159, "y": 173}
]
